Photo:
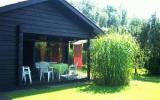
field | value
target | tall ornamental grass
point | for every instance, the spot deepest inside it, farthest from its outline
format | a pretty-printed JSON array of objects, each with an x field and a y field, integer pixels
[{"x": 113, "y": 58}]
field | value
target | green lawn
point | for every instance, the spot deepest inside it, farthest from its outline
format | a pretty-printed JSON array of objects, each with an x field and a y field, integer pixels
[{"x": 141, "y": 88}]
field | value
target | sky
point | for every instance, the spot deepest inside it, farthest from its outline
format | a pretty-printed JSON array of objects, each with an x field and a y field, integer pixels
[
  {"x": 136, "y": 8},
  {"x": 8, "y": 2}
]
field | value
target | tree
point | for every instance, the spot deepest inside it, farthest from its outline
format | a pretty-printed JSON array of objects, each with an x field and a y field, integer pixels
[
  {"x": 109, "y": 16},
  {"x": 102, "y": 20},
  {"x": 123, "y": 17},
  {"x": 135, "y": 26},
  {"x": 113, "y": 17},
  {"x": 149, "y": 41},
  {"x": 86, "y": 7}
]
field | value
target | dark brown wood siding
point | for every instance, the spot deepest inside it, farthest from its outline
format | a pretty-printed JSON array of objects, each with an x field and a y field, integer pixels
[
  {"x": 45, "y": 18},
  {"x": 8, "y": 55}
]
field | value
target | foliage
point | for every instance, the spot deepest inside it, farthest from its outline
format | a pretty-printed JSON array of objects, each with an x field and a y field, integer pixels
[
  {"x": 115, "y": 20},
  {"x": 70, "y": 58},
  {"x": 116, "y": 17},
  {"x": 120, "y": 30},
  {"x": 135, "y": 26},
  {"x": 123, "y": 17},
  {"x": 112, "y": 59},
  {"x": 89, "y": 9},
  {"x": 149, "y": 41},
  {"x": 107, "y": 16},
  {"x": 84, "y": 57}
]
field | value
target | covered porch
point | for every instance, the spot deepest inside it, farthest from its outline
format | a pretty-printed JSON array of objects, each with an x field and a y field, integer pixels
[{"x": 58, "y": 52}]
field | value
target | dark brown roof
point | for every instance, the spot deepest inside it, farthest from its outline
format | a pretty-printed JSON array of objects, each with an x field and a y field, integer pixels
[{"x": 63, "y": 3}]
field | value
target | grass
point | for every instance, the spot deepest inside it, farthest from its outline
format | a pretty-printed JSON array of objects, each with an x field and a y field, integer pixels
[{"x": 141, "y": 88}]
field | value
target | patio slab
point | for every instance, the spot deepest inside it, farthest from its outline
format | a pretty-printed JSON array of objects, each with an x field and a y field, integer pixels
[{"x": 2, "y": 97}]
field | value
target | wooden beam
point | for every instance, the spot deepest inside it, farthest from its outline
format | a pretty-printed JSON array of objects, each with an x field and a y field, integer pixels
[{"x": 88, "y": 59}]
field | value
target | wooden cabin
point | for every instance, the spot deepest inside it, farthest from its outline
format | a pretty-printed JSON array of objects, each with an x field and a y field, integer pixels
[{"x": 25, "y": 25}]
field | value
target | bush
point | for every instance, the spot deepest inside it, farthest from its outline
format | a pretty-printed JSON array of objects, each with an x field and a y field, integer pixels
[
  {"x": 84, "y": 57},
  {"x": 153, "y": 66},
  {"x": 112, "y": 59}
]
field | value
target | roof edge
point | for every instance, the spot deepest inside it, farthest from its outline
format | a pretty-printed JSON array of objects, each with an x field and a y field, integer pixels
[{"x": 97, "y": 29}]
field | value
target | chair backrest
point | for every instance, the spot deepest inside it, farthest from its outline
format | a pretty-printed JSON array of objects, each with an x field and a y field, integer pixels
[
  {"x": 44, "y": 66},
  {"x": 37, "y": 65},
  {"x": 53, "y": 62},
  {"x": 76, "y": 65},
  {"x": 25, "y": 69},
  {"x": 72, "y": 67}
]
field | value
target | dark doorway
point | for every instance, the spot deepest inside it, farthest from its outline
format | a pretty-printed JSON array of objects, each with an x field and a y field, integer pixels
[{"x": 28, "y": 53}]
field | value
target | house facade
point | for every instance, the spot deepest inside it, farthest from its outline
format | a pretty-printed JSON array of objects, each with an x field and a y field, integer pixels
[{"x": 27, "y": 23}]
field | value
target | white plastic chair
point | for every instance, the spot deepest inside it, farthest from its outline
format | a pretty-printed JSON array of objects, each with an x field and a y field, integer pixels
[
  {"x": 26, "y": 71},
  {"x": 37, "y": 65},
  {"x": 72, "y": 74},
  {"x": 44, "y": 69},
  {"x": 72, "y": 69}
]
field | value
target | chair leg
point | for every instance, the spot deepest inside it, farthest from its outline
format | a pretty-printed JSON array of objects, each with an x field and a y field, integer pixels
[
  {"x": 48, "y": 76},
  {"x": 25, "y": 79},
  {"x": 22, "y": 77},
  {"x": 59, "y": 76},
  {"x": 40, "y": 76},
  {"x": 52, "y": 76},
  {"x": 30, "y": 78}
]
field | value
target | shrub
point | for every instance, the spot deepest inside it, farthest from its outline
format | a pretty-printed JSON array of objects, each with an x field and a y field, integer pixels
[
  {"x": 112, "y": 59},
  {"x": 153, "y": 66},
  {"x": 84, "y": 57}
]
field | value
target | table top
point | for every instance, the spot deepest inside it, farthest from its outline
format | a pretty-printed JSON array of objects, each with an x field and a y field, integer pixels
[{"x": 60, "y": 67}]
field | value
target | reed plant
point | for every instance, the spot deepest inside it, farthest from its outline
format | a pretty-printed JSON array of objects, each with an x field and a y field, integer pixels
[{"x": 112, "y": 59}]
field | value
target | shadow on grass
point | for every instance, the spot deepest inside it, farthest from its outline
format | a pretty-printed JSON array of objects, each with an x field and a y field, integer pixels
[
  {"x": 41, "y": 90},
  {"x": 92, "y": 88},
  {"x": 153, "y": 79},
  {"x": 103, "y": 89},
  {"x": 82, "y": 87}
]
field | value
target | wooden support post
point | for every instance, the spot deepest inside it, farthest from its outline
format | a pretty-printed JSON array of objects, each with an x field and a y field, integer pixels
[
  {"x": 20, "y": 55},
  {"x": 65, "y": 52},
  {"x": 88, "y": 59}
]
